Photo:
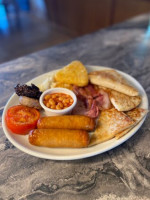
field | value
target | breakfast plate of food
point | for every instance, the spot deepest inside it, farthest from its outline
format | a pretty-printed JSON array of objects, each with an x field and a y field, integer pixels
[{"x": 75, "y": 112}]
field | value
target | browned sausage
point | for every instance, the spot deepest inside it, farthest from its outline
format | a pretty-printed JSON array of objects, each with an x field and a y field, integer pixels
[
  {"x": 67, "y": 122},
  {"x": 59, "y": 138}
]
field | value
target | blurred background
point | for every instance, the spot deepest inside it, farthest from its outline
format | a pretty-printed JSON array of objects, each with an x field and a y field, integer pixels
[{"x": 27, "y": 26}]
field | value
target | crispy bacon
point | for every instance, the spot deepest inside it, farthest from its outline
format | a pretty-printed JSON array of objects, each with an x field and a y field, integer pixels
[
  {"x": 92, "y": 100},
  {"x": 91, "y": 91},
  {"x": 93, "y": 112},
  {"x": 103, "y": 101},
  {"x": 80, "y": 109},
  {"x": 88, "y": 102},
  {"x": 106, "y": 101},
  {"x": 85, "y": 92}
]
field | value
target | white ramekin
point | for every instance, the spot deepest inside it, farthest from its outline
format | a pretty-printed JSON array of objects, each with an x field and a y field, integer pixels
[{"x": 53, "y": 112}]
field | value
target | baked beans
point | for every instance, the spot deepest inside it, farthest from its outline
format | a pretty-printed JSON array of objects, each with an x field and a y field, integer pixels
[{"x": 58, "y": 101}]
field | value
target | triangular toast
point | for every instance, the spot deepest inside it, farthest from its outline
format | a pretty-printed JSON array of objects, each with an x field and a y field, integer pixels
[
  {"x": 113, "y": 80},
  {"x": 109, "y": 124},
  {"x": 123, "y": 102},
  {"x": 137, "y": 115}
]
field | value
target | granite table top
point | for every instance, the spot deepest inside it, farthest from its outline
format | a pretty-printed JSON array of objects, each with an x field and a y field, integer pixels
[{"x": 119, "y": 174}]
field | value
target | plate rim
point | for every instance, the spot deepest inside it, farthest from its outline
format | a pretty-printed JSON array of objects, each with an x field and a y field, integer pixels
[{"x": 80, "y": 156}]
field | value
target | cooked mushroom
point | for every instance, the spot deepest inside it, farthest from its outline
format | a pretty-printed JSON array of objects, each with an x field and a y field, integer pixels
[{"x": 30, "y": 102}]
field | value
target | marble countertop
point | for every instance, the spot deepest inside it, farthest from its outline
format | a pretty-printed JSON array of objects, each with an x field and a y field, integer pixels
[{"x": 119, "y": 174}]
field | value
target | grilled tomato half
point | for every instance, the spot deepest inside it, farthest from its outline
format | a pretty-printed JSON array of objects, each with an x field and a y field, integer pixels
[{"x": 21, "y": 119}]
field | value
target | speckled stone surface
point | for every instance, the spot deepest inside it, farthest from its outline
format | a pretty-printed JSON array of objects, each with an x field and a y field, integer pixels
[{"x": 120, "y": 174}]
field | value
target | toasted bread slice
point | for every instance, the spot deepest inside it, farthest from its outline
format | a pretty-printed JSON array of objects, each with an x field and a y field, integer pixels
[
  {"x": 113, "y": 80},
  {"x": 123, "y": 102},
  {"x": 109, "y": 124},
  {"x": 137, "y": 115},
  {"x": 74, "y": 73}
]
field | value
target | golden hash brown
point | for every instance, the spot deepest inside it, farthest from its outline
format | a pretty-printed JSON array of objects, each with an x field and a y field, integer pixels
[{"x": 74, "y": 73}]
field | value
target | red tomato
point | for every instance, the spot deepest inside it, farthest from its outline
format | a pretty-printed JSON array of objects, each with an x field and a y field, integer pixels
[{"x": 21, "y": 119}]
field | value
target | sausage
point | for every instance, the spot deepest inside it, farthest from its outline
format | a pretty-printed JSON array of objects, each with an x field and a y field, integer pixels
[
  {"x": 63, "y": 138},
  {"x": 67, "y": 122}
]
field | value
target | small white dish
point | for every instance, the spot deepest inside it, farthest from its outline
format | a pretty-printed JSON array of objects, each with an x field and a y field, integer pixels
[{"x": 54, "y": 112}]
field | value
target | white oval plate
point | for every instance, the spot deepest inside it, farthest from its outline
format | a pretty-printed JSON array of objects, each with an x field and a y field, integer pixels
[{"x": 21, "y": 141}]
